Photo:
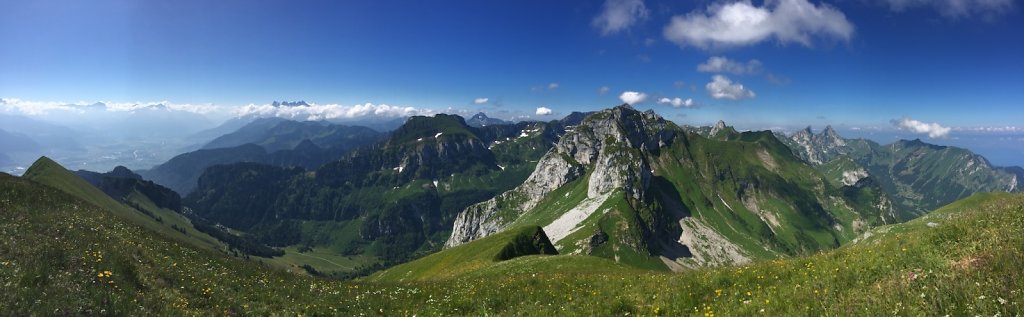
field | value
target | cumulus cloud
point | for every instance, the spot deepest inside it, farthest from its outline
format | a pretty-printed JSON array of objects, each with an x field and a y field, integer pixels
[
  {"x": 633, "y": 97},
  {"x": 619, "y": 15},
  {"x": 34, "y": 108},
  {"x": 678, "y": 102},
  {"x": 1003, "y": 129},
  {"x": 722, "y": 64},
  {"x": 552, "y": 86},
  {"x": 543, "y": 111},
  {"x": 955, "y": 8},
  {"x": 480, "y": 101},
  {"x": 721, "y": 87},
  {"x": 933, "y": 130},
  {"x": 741, "y": 23},
  {"x": 603, "y": 90},
  {"x": 39, "y": 108},
  {"x": 330, "y": 111}
]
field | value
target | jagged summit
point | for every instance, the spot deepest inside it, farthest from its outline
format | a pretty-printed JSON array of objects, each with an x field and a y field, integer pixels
[
  {"x": 606, "y": 147},
  {"x": 816, "y": 148},
  {"x": 719, "y": 126},
  {"x": 634, "y": 187},
  {"x": 805, "y": 131},
  {"x": 482, "y": 120}
]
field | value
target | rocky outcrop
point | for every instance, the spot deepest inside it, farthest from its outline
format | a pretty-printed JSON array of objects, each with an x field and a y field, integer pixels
[
  {"x": 486, "y": 218},
  {"x": 609, "y": 144},
  {"x": 818, "y": 148}
]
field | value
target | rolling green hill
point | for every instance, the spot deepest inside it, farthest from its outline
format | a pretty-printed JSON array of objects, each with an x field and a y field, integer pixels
[
  {"x": 470, "y": 257},
  {"x": 146, "y": 213},
  {"x": 64, "y": 255}
]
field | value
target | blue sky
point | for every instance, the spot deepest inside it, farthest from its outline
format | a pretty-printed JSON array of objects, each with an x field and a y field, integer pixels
[{"x": 863, "y": 64}]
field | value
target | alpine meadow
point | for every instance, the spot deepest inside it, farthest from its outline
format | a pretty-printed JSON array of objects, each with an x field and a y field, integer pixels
[{"x": 528, "y": 158}]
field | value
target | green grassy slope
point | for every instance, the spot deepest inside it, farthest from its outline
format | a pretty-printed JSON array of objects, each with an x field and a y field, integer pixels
[
  {"x": 964, "y": 259},
  {"x": 472, "y": 256},
  {"x": 47, "y": 172}
]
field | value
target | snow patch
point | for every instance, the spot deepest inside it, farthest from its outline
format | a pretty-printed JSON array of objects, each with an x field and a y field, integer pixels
[
  {"x": 435, "y": 183},
  {"x": 438, "y": 135},
  {"x": 570, "y": 220},
  {"x": 420, "y": 139}
]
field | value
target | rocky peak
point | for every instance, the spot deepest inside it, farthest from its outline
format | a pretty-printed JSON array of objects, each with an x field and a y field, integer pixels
[
  {"x": 805, "y": 131},
  {"x": 829, "y": 131},
  {"x": 443, "y": 144},
  {"x": 482, "y": 120},
  {"x": 719, "y": 126},
  {"x": 608, "y": 144},
  {"x": 816, "y": 148},
  {"x": 830, "y": 138}
]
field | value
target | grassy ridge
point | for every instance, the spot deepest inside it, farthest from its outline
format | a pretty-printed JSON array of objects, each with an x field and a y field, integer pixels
[
  {"x": 468, "y": 257},
  {"x": 47, "y": 172},
  {"x": 964, "y": 259}
]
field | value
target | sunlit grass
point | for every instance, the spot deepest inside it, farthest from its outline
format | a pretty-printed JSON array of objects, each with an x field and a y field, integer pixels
[{"x": 61, "y": 255}]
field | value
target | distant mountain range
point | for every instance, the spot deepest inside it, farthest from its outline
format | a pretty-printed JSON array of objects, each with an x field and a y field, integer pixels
[
  {"x": 621, "y": 184},
  {"x": 275, "y": 141},
  {"x": 918, "y": 176}
]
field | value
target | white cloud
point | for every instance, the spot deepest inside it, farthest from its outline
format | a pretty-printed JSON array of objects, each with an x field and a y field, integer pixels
[
  {"x": 632, "y": 97},
  {"x": 543, "y": 111},
  {"x": 603, "y": 90},
  {"x": 480, "y": 101},
  {"x": 933, "y": 130},
  {"x": 552, "y": 86},
  {"x": 1003, "y": 129},
  {"x": 330, "y": 111},
  {"x": 721, "y": 64},
  {"x": 955, "y": 8},
  {"x": 619, "y": 15},
  {"x": 301, "y": 112},
  {"x": 741, "y": 23},
  {"x": 678, "y": 102},
  {"x": 35, "y": 108},
  {"x": 39, "y": 108},
  {"x": 721, "y": 87}
]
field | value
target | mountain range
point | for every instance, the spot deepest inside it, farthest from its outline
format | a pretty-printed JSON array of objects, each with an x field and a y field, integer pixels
[
  {"x": 621, "y": 184},
  {"x": 72, "y": 249}
]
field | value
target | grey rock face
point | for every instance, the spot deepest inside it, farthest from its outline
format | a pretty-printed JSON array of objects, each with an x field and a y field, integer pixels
[
  {"x": 818, "y": 148},
  {"x": 609, "y": 144},
  {"x": 485, "y": 218}
]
